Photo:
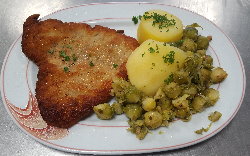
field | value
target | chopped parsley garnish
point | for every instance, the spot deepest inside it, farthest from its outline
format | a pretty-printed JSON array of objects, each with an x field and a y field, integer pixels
[
  {"x": 63, "y": 53},
  {"x": 115, "y": 65},
  {"x": 177, "y": 43},
  {"x": 169, "y": 79},
  {"x": 91, "y": 64},
  {"x": 169, "y": 58},
  {"x": 51, "y": 51},
  {"x": 66, "y": 69},
  {"x": 161, "y": 20},
  {"x": 74, "y": 57},
  {"x": 135, "y": 19},
  {"x": 151, "y": 50},
  {"x": 67, "y": 58}
]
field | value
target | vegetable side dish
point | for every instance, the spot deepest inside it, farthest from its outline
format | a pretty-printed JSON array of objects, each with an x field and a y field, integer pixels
[{"x": 170, "y": 76}]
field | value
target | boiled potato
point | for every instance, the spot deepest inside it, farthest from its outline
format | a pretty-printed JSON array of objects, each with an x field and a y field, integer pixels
[
  {"x": 152, "y": 63},
  {"x": 148, "y": 104},
  {"x": 160, "y": 26}
]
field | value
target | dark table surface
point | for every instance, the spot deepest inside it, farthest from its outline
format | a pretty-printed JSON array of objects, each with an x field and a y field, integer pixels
[{"x": 233, "y": 16}]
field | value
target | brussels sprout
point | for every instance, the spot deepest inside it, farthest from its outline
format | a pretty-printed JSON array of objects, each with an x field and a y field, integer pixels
[
  {"x": 168, "y": 115},
  {"x": 181, "y": 102},
  {"x": 183, "y": 114},
  {"x": 191, "y": 91},
  {"x": 209, "y": 59},
  {"x": 181, "y": 77},
  {"x": 208, "y": 62},
  {"x": 133, "y": 111},
  {"x": 125, "y": 92},
  {"x": 218, "y": 75},
  {"x": 165, "y": 104},
  {"x": 201, "y": 52},
  {"x": 153, "y": 119},
  {"x": 192, "y": 63},
  {"x": 104, "y": 111},
  {"x": 202, "y": 43},
  {"x": 212, "y": 95},
  {"x": 132, "y": 95},
  {"x": 204, "y": 76},
  {"x": 199, "y": 103},
  {"x": 172, "y": 90},
  {"x": 191, "y": 33},
  {"x": 117, "y": 107},
  {"x": 188, "y": 45}
]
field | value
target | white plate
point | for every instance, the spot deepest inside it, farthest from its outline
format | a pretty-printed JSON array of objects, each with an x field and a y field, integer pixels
[{"x": 111, "y": 137}]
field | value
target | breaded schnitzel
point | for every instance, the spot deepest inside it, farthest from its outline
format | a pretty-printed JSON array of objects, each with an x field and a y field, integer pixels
[{"x": 76, "y": 65}]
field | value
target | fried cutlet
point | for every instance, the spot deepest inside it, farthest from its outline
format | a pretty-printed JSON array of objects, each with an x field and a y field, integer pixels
[{"x": 76, "y": 64}]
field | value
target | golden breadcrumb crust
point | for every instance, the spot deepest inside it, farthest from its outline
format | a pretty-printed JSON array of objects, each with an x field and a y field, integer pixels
[{"x": 76, "y": 64}]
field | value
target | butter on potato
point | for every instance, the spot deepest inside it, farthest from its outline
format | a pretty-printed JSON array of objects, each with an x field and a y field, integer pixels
[
  {"x": 160, "y": 26},
  {"x": 151, "y": 63}
]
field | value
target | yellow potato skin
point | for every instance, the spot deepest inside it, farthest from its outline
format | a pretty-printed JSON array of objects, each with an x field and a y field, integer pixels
[
  {"x": 147, "y": 71},
  {"x": 147, "y": 31}
]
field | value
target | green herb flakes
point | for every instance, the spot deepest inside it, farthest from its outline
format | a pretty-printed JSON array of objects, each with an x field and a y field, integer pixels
[
  {"x": 91, "y": 64},
  {"x": 151, "y": 50},
  {"x": 169, "y": 79},
  {"x": 63, "y": 53},
  {"x": 177, "y": 43},
  {"x": 169, "y": 58},
  {"x": 67, "y": 58},
  {"x": 161, "y": 20},
  {"x": 115, "y": 65},
  {"x": 66, "y": 69},
  {"x": 135, "y": 19}
]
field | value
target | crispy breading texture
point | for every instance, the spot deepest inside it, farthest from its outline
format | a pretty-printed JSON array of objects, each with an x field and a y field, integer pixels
[{"x": 76, "y": 66}]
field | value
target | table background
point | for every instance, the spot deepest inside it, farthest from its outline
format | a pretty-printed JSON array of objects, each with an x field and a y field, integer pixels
[{"x": 233, "y": 16}]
